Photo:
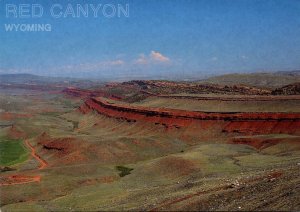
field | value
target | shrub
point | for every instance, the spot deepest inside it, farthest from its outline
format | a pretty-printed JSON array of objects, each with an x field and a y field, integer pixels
[{"x": 123, "y": 170}]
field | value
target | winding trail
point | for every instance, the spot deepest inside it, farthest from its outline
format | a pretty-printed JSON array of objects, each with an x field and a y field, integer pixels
[
  {"x": 43, "y": 163},
  {"x": 19, "y": 179}
]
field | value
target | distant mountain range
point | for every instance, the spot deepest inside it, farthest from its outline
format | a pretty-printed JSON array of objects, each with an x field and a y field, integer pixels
[
  {"x": 45, "y": 80},
  {"x": 30, "y": 78},
  {"x": 263, "y": 80}
]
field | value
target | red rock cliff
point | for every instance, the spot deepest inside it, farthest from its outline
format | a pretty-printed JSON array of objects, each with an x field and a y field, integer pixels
[{"x": 246, "y": 123}]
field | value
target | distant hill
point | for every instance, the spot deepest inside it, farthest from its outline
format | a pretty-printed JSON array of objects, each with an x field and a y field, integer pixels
[
  {"x": 30, "y": 79},
  {"x": 265, "y": 80}
]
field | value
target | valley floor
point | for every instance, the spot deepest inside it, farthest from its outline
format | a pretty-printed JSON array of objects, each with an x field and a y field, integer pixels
[{"x": 88, "y": 161}]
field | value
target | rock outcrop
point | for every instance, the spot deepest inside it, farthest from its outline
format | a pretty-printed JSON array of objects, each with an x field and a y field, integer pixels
[{"x": 292, "y": 89}]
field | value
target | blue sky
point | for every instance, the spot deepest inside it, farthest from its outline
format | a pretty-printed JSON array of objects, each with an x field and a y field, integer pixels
[{"x": 159, "y": 38}]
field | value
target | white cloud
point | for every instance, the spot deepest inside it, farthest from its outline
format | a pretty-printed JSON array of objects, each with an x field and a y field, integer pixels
[
  {"x": 158, "y": 57},
  {"x": 153, "y": 57},
  {"x": 141, "y": 60}
]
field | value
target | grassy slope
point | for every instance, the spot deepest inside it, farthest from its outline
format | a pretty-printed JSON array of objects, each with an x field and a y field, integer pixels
[
  {"x": 219, "y": 106},
  {"x": 12, "y": 152},
  {"x": 153, "y": 180},
  {"x": 269, "y": 80}
]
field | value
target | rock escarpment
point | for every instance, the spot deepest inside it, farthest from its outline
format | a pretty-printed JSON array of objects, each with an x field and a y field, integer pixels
[
  {"x": 234, "y": 122},
  {"x": 292, "y": 89}
]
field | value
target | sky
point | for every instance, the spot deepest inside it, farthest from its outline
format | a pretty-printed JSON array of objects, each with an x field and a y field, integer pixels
[{"x": 184, "y": 38}]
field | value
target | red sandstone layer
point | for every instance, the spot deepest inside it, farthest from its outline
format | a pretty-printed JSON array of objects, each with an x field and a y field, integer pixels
[
  {"x": 175, "y": 113},
  {"x": 76, "y": 92},
  {"x": 248, "y": 123}
]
